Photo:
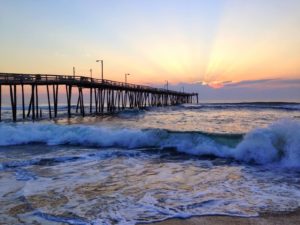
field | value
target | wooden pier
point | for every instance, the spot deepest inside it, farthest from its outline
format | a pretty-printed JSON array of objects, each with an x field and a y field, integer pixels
[{"x": 105, "y": 96}]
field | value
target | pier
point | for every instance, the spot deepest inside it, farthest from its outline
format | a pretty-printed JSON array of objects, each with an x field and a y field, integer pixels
[{"x": 105, "y": 96}]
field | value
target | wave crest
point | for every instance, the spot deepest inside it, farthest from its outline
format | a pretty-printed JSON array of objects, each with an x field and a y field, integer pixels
[{"x": 278, "y": 143}]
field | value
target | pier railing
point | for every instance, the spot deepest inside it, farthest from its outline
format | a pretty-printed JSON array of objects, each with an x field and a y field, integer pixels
[{"x": 12, "y": 78}]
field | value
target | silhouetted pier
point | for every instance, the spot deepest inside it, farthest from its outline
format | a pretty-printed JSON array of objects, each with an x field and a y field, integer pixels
[{"x": 105, "y": 96}]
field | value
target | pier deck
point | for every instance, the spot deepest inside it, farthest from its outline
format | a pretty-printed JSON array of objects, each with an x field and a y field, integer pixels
[{"x": 104, "y": 95}]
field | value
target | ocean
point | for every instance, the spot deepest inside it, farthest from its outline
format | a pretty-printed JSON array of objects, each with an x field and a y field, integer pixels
[{"x": 143, "y": 166}]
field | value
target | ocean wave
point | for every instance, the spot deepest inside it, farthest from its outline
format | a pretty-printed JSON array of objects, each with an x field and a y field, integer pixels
[{"x": 278, "y": 143}]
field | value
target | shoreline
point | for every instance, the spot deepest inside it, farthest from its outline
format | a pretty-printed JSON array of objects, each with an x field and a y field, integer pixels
[{"x": 271, "y": 218}]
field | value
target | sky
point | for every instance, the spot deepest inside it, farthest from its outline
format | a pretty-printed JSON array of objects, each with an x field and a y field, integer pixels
[{"x": 224, "y": 49}]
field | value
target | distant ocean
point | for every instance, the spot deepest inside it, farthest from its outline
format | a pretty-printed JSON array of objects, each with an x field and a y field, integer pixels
[{"x": 142, "y": 166}]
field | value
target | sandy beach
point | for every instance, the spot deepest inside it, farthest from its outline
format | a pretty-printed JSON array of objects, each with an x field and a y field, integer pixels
[{"x": 290, "y": 218}]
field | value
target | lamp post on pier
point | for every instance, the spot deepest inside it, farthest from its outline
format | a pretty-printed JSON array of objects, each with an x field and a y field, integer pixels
[
  {"x": 101, "y": 67},
  {"x": 126, "y": 74}
]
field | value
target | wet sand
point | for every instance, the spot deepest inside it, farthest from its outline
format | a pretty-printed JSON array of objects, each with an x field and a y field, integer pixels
[{"x": 292, "y": 218}]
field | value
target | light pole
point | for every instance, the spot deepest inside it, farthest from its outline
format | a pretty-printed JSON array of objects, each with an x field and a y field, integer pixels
[
  {"x": 126, "y": 74},
  {"x": 167, "y": 85},
  {"x": 74, "y": 71},
  {"x": 101, "y": 67},
  {"x": 91, "y": 72}
]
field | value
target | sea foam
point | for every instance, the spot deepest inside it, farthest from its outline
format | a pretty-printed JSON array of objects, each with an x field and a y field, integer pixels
[{"x": 279, "y": 143}]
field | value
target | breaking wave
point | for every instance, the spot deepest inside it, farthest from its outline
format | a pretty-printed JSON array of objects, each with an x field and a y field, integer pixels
[{"x": 279, "y": 143}]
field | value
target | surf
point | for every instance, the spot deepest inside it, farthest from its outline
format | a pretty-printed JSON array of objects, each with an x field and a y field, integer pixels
[{"x": 278, "y": 143}]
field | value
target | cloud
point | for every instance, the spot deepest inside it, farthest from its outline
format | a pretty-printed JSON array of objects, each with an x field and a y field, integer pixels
[
  {"x": 214, "y": 84},
  {"x": 247, "y": 90},
  {"x": 265, "y": 83},
  {"x": 247, "y": 83},
  {"x": 262, "y": 83}
]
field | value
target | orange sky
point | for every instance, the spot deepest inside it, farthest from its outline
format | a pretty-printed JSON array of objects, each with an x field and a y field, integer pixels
[{"x": 154, "y": 41}]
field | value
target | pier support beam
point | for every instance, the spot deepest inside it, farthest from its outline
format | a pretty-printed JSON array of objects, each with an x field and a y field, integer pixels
[
  {"x": 13, "y": 100},
  {"x": 69, "y": 98},
  {"x": 0, "y": 103},
  {"x": 55, "y": 99},
  {"x": 32, "y": 102},
  {"x": 37, "y": 101},
  {"x": 49, "y": 102},
  {"x": 23, "y": 102}
]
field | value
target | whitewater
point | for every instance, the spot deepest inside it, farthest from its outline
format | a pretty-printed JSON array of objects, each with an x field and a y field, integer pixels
[{"x": 151, "y": 165}]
